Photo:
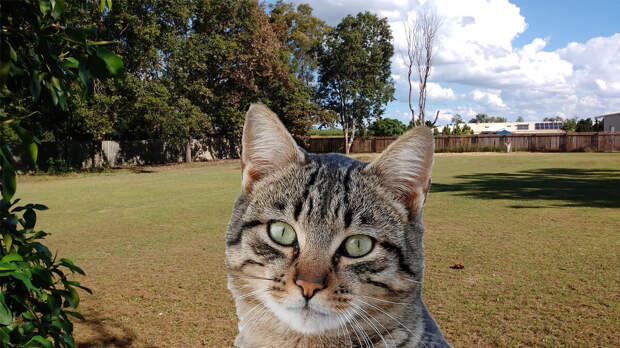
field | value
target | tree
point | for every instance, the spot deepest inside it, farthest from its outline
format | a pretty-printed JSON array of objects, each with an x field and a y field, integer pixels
[
  {"x": 484, "y": 118},
  {"x": 569, "y": 125},
  {"x": 445, "y": 130},
  {"x": 457, "y": 119},
  {"x": 301, "y": 35},
  {"x": 520, "y": 119},
  {"x": 58, "y": 62},
  {"x": 551, "y": 119},
  {"x": 354, "y": 71},
  {"x": 387, "y": 127},
  {"x": 584, "y": 125},
  {"x": 421, "y": 35},
  {"x": 598, "y": 126}
]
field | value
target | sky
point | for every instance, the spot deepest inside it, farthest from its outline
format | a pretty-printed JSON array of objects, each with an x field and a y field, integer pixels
[{"x": 527, "y": 58}]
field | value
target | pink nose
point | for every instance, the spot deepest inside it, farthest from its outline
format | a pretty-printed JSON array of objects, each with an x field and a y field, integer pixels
[{"x": 309, "y": 288}]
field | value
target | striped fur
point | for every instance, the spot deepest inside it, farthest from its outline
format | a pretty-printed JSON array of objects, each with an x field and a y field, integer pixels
[{"x": 371, "y": 300}]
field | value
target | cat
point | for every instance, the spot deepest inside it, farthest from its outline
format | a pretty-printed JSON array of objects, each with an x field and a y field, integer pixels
[{"x": 324, "y": 250}]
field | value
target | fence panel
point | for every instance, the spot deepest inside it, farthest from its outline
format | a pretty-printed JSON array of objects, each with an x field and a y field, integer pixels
[{"x": 572, "y": 142}]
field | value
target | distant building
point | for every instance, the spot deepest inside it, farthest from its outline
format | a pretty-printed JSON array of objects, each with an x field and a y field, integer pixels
[
  {"x": 544, "y": 127},
  {"x": 611, "y": 122}
]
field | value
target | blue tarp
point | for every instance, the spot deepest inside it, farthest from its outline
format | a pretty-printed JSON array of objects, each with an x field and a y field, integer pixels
[{"x": 503, "y": 132}]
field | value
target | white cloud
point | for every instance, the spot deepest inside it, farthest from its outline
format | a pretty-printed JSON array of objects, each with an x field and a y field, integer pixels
[
  {"x": 491, "y": 98},
  {"x": 475, "y": 52}
]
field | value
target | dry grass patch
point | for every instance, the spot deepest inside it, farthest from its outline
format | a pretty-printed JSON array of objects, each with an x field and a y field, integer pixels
[{"x": 538, "y": 236}]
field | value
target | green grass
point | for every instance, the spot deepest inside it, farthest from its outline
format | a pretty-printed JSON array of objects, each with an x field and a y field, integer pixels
[{"x": 538, "y": 234}]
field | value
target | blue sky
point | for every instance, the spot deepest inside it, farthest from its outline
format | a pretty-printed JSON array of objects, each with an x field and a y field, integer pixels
[
  {"x": 509, "y": 58},
  {"x": 564, "y": 21}
]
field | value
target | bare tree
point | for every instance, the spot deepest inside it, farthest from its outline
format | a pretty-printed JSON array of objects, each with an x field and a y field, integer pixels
[{"x": 421, "y": 34}]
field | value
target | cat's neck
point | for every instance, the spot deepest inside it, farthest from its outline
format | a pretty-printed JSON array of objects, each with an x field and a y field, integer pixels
[{"x": 408, "y": 326}]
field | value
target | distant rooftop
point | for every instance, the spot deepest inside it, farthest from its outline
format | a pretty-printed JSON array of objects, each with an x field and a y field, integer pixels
[{"x": 608, "y": 115}]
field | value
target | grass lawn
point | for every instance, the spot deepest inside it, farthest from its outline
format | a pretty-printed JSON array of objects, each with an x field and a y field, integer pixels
[{"x": 538, "y": 234}]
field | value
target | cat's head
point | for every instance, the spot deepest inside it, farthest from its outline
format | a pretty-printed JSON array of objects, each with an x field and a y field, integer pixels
[{"x": 317, "y": 239}]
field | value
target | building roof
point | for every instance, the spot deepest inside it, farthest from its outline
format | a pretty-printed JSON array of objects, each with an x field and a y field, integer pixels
[{"x": 615, "y": 114}]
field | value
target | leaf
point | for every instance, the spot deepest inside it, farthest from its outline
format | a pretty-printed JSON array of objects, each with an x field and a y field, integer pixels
[
  {"x": 78, "y": 285},
  {"x": 87, "y": 85},
  {"x": 58, "y": 8},
  {"x": 26, "y": 280},
  {"x": 12, "y": 53},
  {"x": 30, "y": 218},
  {"x": 75, "y": 314},
  {"x": 42, "y": 249},
  {"x": 101, "y": 5},
  {"x": 35, "y": 85},
  {"x": 99, "y": 43},
  {"x": 69, "y": 264},
  {"x": 28, "y": 142},
  {"x": 8, "y": 267},
  {"x": 71, "y": 63},
  {"x": 45, "y": 6},
  {"x": 4, "y": 336},
  {"x": 110, "y": 5},
  {"x": 53, "y": 94},
  {"x": 113, "y": 62},
  {"x": 30, "y": 206},
  {"x": 6, "y": 316},
  {"x": 8, "y": 241},
  {"x": 11, "y": 258},
  {"x": 9, "y": 184},
  {"x": 54, "y": 303},
  {"x": 68, "y": 339},
  {"x": 41, "y": 342},
  {"x": 72, "y": 297}
]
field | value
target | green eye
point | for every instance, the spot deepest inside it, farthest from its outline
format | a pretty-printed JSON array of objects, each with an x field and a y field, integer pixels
[
  {"x": 282, "y": 233},
  {"x": 358, "y": 246}
]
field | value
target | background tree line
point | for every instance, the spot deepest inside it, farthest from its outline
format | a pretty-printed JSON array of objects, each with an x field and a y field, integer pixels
[{"x": 192, "y": 68}]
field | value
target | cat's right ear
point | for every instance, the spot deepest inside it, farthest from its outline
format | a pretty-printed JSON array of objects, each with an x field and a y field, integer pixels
[
  {"x": 405, "y": 167},
  {"x": 266, "y": 145}
]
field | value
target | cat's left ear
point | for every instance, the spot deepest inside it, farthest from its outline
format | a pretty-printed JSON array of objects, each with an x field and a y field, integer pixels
[
  {"x": 405, "y": 167},
  {"x": 266, "y": 145}
]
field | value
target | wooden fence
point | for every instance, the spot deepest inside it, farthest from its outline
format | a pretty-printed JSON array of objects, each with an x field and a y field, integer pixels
[{"x": 571, "y": 142}]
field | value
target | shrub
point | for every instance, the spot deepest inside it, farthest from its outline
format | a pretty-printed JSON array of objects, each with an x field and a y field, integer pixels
[
  {"x": 59, "y": 166},
  {"x": 387, "y": 127}
]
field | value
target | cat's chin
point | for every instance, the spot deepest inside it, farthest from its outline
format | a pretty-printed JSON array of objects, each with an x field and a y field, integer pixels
[{"x": 307, "y": 320}]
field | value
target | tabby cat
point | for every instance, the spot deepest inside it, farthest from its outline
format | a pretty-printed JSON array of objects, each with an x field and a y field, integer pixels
[{"x": 325, "y": 250}]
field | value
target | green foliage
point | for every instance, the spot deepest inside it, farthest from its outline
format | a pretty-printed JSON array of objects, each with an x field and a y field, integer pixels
[
  {"x": 550, "y": 119},
  {"x": 586, "y": 125},
  {"x": 36, "y": 294},
  {"x": 354, "y": 70},
  {"x": 301, "y": 35},
  {"x": 445, "y": 130},
  {"x": 460, "y": 149},
  {"x": 58, "y": 166},
  {"x": 46, "y": 63},
  {"x": 569, "y": 125},
  {"x": 484, "y": 118},
  {"x": 458, "y": 130},
  {"x": 519, "y": 119},
  {"x": 387, "y": 127},
  {"x": 190, "y": 69},
  {"x": 326, "y": 132}
]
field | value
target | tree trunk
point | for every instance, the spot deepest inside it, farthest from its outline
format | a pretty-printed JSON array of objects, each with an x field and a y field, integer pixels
[
  {"x": 351, "y": 139},
  {"x": 346, "y": 139},
  {"x": 188, "y": 151}
]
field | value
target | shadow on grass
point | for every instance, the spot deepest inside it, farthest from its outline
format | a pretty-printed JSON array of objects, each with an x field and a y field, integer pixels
[
  {"x": 106, "y": 332},
  {"x": 563, "y": 187},
  {"x": 138, "y": 170}
]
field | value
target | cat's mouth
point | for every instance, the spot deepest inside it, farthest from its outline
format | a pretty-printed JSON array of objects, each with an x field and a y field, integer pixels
[{"x": 309, "y": 310}]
